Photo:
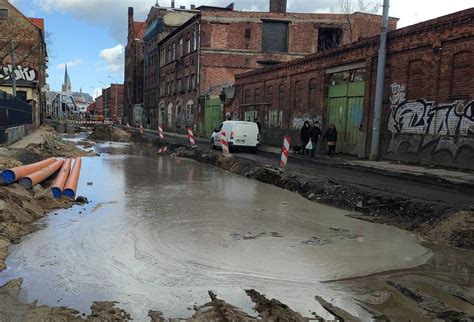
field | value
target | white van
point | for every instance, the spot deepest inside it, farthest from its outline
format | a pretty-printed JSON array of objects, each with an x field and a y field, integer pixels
[{"x": 239, "y": 134}]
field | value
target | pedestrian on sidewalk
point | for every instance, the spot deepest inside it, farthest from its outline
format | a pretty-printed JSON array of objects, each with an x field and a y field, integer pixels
[
  {"x": 304, "y": 136},
  {"x": 331, "y": 138},
  {"x": 314, "y": 134}
]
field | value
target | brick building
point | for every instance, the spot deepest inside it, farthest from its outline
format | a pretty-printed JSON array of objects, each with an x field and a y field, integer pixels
[
  {"x": 160, "y": 22},
  {"x": 428, "y": 107},
  {"x": 24, "y": 39},
  {"x": 201, "y": 57},
  {"x": 112, "y": 100},
  {"x": 133, "y": 79},
  {"x": 99, "y": 101}
]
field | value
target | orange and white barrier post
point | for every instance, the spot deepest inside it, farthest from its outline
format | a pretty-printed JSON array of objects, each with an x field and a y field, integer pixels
[
  {"x": 163, "y": 149},
  {"x": 285, "y": 151},
  {"x": 161, "y": 132},
  {"x": 191, "y": 137},
  {"x": 224, "y": 144},
  {"x": 141, "y": 129}
]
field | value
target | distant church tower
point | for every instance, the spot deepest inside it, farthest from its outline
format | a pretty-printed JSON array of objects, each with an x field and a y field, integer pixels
[{"x": 67, "y": 82}]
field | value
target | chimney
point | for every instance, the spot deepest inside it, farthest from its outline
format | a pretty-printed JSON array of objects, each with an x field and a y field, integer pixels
[
  {"x": 172, "y": 3},
  {"x": 278, "y": 6},
  {"x": 182, "y": 7},
  {"x": 193, "y": 7},
  {"x": 130, "y": 11}
]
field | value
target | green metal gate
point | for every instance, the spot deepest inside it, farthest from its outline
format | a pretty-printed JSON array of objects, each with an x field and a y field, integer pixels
[
  {"x": 346, "y": 105},
  {"x": 212, "y": 115}
]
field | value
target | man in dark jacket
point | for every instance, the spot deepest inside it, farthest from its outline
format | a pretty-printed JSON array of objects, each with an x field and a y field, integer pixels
[
  {"x": 314, "y": 134},
  {"x": 331, "y": 137},
  {"x": 305, "y": 136}
]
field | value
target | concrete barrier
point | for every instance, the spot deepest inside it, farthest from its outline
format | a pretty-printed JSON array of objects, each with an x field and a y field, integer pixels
[{"x": 12, "y": 134}]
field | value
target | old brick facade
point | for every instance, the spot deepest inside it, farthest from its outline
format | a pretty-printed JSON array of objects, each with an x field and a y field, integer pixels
[
  {"x": 201, "y": 57},
  {"x": 112, "y": 101},
  {"x": 25, "y": 37},
  {"x": 133, "y": 79},
  {"x": 428, "y": 107}
]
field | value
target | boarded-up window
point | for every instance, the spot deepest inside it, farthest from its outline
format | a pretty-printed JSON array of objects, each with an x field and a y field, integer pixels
[
  {"x": 416, "y": 80},
  {"x": 281, "y": 96},
  {"x": 275, "y": 36},
  {"x": 312, "y": 93},
  {"x": 462, "y": 75},
  {"x": 297, "y": 94}
]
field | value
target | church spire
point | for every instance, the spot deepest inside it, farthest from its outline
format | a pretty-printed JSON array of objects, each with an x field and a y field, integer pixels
[{"x": 67, "y": 81}]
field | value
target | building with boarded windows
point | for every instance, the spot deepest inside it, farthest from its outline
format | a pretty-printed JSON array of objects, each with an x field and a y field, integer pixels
[
  {"x": 201, "y": 57},
  {"x": 428, "y": 107}
]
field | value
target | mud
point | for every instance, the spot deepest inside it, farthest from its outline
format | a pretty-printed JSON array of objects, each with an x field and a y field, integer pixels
[{"x": 108, "y": 133}]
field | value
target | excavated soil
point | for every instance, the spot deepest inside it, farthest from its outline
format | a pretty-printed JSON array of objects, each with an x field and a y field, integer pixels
[{"x": 108, "y": 133}]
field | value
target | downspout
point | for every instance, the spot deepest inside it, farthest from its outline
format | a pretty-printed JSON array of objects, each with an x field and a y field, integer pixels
[{"x": 374, "y": 151}]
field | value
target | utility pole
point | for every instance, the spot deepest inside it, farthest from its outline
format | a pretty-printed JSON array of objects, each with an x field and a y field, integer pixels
[
  {"x": 374, "y": 151},
  {"x": 13, "y": 75}
]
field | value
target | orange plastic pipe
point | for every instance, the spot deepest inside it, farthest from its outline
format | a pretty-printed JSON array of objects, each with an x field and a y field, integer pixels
[
  {"x": 70, "y": 187},
  {"x": 39, "y": 176},
  {"x": 60, "y": 181},
  {"x": 12, "y": 175}
]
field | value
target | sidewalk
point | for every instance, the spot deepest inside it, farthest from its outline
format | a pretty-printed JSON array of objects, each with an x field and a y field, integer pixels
[{"x": 393, "y": 168}]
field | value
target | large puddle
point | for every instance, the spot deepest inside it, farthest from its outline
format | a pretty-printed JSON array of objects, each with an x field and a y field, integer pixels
[{"x": 159, "y": 233}]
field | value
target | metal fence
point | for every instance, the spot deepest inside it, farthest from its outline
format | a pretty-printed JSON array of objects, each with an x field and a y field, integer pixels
[{"x": 14, "y": 111}]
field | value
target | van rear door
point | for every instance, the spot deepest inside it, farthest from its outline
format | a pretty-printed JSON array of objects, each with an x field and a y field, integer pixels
[{"x": 245, "y": 134}]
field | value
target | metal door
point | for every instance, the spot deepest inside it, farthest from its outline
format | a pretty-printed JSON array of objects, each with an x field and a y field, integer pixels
[{"x": 212, "y": 115}]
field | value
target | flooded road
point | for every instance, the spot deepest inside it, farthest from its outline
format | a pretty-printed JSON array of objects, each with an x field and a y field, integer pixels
[{"x": 159, "y": 233}]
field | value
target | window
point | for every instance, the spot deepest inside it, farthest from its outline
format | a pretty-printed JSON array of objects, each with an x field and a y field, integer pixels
[
  {"x": 188, "y": 45},
  {"x": 276, "y": 118},
  {"x": 169, "y": 54},
  {"x": 329, "y": 38},
  {"x": 173, "y": 52},
  {"x": 247, "y": 97},
  {"x": 269, "y": 94},
  {"x": 186, "y": 83},
  {"x": 173, "y": 90},
  {"x": 180, "y": 84},
  {"x": 167, "y": 88},
  {"x": 275, "y": 37},
  {"x": 297, "y": 94},
  {"x": 195, "y": 39},
  {"x": 3, "y": 13},
  {"x": 193, "y": 81},
  {"x": 248, "y": 33},
  {"x": 181, "y": 49},
  {"x": 258, "y": 97},
  {"x": 312, "y": 93},
  {"x": 281, "y": 96},
  {"x": 250, "y": 116}
]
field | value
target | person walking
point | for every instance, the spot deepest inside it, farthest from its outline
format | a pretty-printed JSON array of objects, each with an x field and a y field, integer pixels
[
  {"x": 314, "y": 134},
  {"x": 304, "y": 136},
  {"x": 331, "y": 138}
]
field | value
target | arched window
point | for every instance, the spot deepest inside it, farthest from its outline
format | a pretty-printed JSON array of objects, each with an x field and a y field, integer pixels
[
  {"x": 281, "y": 96},
  {"x": 312, "y": 93},
  {"x": 269, "y": 93},
  {"x": 462, "y": 75},
  {"x": 297, "y": 94}
]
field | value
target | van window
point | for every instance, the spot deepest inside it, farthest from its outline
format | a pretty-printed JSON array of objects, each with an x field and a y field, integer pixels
[{"x": 219, "y": 128}]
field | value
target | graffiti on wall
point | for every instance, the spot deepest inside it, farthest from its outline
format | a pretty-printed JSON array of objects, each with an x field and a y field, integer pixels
[
  {"x": 298, "y": 120},
  {"x": 424, "y": 117},
  {"x": 21, "y": 73},
  {"x": 436, "y": 134}
]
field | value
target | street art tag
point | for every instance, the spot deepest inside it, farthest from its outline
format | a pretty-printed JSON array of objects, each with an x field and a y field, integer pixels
[{"x": 21, "y": 73}]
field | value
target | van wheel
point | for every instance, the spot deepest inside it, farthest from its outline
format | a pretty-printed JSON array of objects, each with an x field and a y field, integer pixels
[{"x": 212, "y": 144}]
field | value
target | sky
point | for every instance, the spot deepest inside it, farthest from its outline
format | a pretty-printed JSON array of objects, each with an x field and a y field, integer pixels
[{"x": 90, "y": 35}]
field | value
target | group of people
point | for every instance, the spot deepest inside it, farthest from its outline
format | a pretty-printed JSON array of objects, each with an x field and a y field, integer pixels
[{"x": 310, "y": 134}]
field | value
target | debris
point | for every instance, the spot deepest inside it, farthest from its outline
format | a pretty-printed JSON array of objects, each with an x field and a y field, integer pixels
[
  {"x": 81, "y": 200},
  {"x": 89, "y": 183}
]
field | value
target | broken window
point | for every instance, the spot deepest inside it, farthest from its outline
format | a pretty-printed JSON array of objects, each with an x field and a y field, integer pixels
[
  {"x": 275, "y": 36},
  {"x": 329, "y": 38}
]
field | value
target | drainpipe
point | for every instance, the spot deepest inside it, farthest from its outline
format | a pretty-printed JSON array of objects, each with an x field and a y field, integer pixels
[
  {"x": 13, "y": 75},
  {"x": 198, "y": 74},
  {"x": 374, "y": 151}
]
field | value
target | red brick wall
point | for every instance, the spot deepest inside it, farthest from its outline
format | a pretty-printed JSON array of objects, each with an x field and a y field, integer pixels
[{"x": 432, "y": 60}]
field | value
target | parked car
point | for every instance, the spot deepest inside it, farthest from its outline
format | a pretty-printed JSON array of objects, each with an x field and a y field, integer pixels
[{"x": 240, "y": 135}]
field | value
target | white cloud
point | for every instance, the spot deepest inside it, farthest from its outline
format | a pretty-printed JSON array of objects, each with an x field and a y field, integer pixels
[
  {"x": 70, "y": 64},
  {"x": 113, "y": 58}
]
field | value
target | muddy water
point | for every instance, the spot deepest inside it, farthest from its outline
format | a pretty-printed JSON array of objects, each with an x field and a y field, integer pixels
[{"x": 159, "y": 233}]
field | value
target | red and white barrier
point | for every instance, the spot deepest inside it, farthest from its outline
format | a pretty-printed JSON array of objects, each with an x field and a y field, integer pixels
[
  {"x": 285, "y": 151},
  {"x": 92, "y": 122},
  {"x": 141, "y": 129},
  {"x": 161, "y": 132},
  {"x": 224, "y": 144},
  {"x": 163, "y": 149},
  {"x": 191, "y": 137}
]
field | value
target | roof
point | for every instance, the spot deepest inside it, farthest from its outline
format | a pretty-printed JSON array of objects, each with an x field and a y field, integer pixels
[
  {"x": 139, "y": 28},
  {"x": 38, "y": 22}
]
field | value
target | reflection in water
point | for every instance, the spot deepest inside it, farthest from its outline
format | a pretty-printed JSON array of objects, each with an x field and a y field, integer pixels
[{"x": 170, "y": 230}]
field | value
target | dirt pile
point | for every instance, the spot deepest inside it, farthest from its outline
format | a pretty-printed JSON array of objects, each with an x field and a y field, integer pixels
[
  {"x": 54, "y": 146},
  {"x": 457, "y": 229},
  {"x": 19, "y": 209},
  {"x": 109, "y": 133}
]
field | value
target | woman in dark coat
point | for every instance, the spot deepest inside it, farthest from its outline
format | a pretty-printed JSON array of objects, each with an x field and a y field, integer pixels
[
  {"x": 304, "y": 136},
  {"x": 314, "y": 134},
  {"x": 331, "y": 138}
]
